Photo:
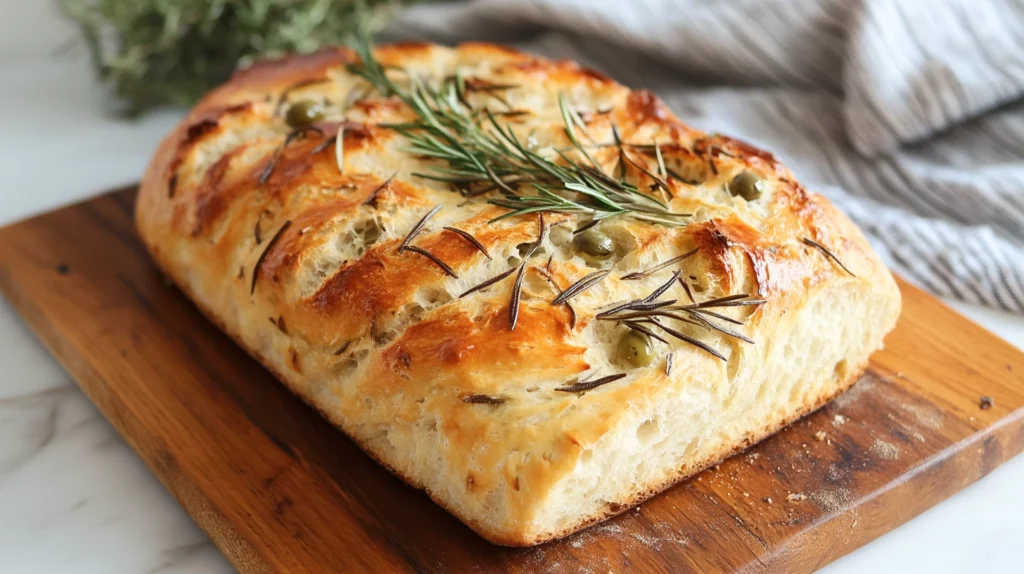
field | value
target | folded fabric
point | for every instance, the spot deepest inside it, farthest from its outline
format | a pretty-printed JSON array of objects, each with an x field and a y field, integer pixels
[{"x": 906, "y": 113}]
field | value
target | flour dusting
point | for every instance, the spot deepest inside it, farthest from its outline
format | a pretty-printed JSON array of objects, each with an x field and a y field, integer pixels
[
  {"x": 924, "y": 415},
  {"x": 832, "y": 499},
  {"x": 884, "y": 450}
]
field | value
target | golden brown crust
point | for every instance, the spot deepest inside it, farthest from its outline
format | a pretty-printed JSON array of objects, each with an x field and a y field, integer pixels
[{"x": 255, "y": 223}]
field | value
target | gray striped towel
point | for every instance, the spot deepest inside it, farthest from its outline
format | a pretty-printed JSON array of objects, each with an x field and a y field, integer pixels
[{"x": 906, "y": 113}]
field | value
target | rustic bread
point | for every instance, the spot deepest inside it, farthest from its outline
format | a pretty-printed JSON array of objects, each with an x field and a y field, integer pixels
[{"x": 299, "y": 263}]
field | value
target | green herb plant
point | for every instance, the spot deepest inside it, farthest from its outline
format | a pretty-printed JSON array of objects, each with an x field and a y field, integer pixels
[{"x": 171, "y": 52}]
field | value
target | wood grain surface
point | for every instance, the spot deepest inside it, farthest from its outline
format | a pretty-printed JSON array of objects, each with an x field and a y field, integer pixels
[{"x": 278, "y": 489}]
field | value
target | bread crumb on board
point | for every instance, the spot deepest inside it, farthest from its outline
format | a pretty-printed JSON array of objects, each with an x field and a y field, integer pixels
[
  {"x": 838, "y": 421},
  {"x": 884, "y": 450}
]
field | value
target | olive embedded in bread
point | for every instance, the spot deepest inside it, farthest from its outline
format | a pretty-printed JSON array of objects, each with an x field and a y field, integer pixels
[
  {"x": 304, "y": 113},
  {"x": 747, "y": 185},
  {"x": 594, "y": 245},
  {"x": 635, "y": 348}
]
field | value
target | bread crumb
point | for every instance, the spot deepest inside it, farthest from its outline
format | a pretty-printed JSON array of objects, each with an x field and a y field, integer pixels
[
  {"x": 884, "y": 450},
  {"x": 832, "y": 499},
  {"x": 835, "y": 472},
  {"x": 820, "y": 436},
  {"x": 796, "y": 497},
  {"x": 746, "y": 495},
  {"x": 985, "y": 403},
  {"x": 768, "y": 499},
  {"x": 838, "y": 421}
]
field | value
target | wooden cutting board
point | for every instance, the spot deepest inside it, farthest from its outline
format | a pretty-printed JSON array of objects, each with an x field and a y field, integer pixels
[{"x": 278, "y": 489}]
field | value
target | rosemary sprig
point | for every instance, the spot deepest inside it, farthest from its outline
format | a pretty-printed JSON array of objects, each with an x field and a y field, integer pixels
[
  {"x": 480, "y": 151},
  {"x": 648, "y": 314},
  {"x": 171, "y": 52}
]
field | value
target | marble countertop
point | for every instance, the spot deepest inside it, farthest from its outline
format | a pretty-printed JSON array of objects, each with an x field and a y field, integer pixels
[{"x": 75, "y": 498}]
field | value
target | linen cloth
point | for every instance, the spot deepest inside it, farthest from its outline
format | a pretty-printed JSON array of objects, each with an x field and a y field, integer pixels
[{"x": 908, "y": 114}]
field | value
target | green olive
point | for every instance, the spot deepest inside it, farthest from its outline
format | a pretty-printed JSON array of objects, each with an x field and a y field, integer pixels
[
  {"x": 304, "y": 113},
  {"x": 747, "y": 185},
  {"x": 594, "y": 244},
  {"x": 635, "y": 348}
]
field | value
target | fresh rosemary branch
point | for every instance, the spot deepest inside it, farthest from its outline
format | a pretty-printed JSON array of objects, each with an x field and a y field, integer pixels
[
  {"x": 648, "y": 314},
  {"x": 171, "y": 52},
  {"x": 478, "y": 150}
]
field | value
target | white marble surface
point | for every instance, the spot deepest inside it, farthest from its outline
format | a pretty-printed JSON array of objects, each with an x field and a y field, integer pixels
[{"x": 74, "y": 498}]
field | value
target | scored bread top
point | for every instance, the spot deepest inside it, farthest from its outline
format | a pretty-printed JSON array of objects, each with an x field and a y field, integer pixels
[{"x": 300, "y": 262}]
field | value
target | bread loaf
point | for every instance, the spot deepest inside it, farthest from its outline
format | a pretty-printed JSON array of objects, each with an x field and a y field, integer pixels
[{"x": 433, "y": 334}]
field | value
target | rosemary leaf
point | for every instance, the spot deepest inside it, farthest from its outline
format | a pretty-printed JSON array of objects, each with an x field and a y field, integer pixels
[
  {"x": 658, "y": 267},
  {"x": 263, "y": 254},
  {"x": 489, "y": 282},
  {"x": 417, "y": 228},
  {"x": 694, "y": 342},
  {"x": 827, "y": 253},
  {"x": 372, "y": 198},
  {"x": 470, "y": 239},
  {"x": 292, "y": 136},
  {"x": 444, "y": 266},
  {"x": 591, "y": 384},
  {"x": 483, "y": 399},
  {"x": 580, "y": 286},
  {"x": 517, "y": 293}
]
